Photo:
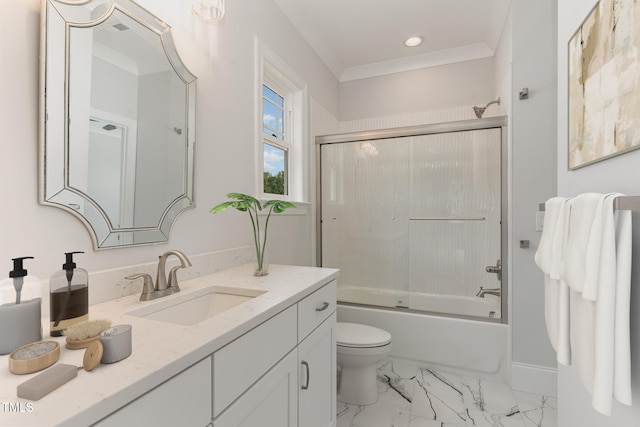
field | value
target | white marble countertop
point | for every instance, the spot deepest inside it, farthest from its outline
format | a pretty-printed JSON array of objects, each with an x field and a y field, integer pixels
[{"x": 160, "y": 350}]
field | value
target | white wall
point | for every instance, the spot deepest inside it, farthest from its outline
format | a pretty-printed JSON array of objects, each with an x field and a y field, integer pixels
[
  {"x": 222, "y": 57},
  {"x": 617, "y": 174},
  {"x": 447, "y": 86},
  {"x": 533, "y": 123}
]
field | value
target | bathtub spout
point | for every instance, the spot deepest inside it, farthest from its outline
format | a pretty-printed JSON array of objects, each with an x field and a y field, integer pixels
[{"x": 491, "y": 291}]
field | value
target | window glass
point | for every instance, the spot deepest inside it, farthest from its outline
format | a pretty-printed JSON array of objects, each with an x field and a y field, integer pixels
[
  {"x": 272, "y": 113},
  {"x": 274, "y": 175}
]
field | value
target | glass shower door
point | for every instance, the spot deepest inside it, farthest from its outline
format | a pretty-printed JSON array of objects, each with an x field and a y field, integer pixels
[
  {"x": 455, "y": 222},
  {"x": 414, "y": 222},
  {"x": 364, "y": 211}
]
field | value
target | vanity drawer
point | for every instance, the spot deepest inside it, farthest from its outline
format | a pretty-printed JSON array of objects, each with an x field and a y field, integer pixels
[
  {"x": 315, "y": 308},
  {"x": 242, "y": 362}
]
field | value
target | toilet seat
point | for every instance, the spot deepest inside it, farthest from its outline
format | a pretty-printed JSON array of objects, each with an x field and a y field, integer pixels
[{"x": 354, "y": 335}]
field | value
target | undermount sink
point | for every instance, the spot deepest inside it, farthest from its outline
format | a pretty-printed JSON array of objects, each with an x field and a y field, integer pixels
[{"x": 198, "y": 306}]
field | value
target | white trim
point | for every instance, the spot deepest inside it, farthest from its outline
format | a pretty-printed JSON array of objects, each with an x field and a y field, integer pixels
[
  {"x": 432, "y": 59},
  {"x": 534, "y": 379}
]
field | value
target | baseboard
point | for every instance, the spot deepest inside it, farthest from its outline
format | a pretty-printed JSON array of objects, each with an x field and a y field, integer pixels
[{"x": 534, "y": 379}]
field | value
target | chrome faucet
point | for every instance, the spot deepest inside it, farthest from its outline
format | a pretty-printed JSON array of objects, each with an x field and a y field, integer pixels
[
  {"x": 162, "y": 288},
  {"x": 491, "y": 291}
]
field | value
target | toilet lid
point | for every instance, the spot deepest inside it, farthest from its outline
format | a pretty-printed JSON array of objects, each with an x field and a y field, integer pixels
[{"x": 357, "y": 335}]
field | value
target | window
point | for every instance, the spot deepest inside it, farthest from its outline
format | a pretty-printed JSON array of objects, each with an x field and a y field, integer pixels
[
  {"x": 276, "y": 141},
  {"x": 282, "y": 111}
]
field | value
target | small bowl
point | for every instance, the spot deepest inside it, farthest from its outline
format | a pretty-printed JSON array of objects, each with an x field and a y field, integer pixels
[{"x": 44, "y": 354}]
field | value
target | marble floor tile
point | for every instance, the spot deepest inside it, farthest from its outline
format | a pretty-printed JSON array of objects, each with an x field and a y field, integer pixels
[
  {"x": 439, "y": 397},
  {"x": 396, "y": 383},
  {"x": 388, "y": 411},
  {"x": 395, "y": 378},
  {"x": 490, "y": 403},
  {"x": 537, "y": 410},
  {"x": 422, "y": 422},
  {"x": 414, "y": 397}
]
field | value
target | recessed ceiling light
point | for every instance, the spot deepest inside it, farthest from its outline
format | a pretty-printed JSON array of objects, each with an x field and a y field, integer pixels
[{"x": 413, "y": 41}]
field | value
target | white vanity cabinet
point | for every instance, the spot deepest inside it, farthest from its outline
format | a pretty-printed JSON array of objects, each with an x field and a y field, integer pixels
[
  {"x": 247, "y": 369},
  {"x": 272, "y": 401},
  {"x": 184, "y": 399},
  {"x": 317, "y": 358},
  {"x": 293, "y": 358},
  {"x": 317, "y": 392},
  {"x": 282, "y": 373}
]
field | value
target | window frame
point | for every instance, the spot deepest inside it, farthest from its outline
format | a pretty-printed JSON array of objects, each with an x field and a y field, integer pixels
[{"x": 273, "y": 72}]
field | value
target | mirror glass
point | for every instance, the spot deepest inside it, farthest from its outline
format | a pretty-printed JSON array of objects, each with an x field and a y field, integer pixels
[{"x": 118, "y": 112}]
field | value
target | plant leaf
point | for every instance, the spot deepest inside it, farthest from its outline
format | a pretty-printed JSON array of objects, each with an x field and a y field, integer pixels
[
  {"x": 279, "y": 206},
  {"x": 242, "y": 203},
  {"x": 220, "y": 207},
  {"x": 248, "y": 200}
]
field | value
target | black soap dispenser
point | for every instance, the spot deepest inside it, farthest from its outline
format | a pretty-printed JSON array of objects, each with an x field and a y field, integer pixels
[
  {"x": 69, "y": 296},
  {"x": 20, "y": 308}
]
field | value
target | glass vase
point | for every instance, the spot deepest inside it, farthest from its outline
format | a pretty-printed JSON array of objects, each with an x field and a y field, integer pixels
[{"x": 261, "y": 269}]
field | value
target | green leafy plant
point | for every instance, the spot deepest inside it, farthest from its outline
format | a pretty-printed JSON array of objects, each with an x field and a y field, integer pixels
[{"x": 244, "y": 203}]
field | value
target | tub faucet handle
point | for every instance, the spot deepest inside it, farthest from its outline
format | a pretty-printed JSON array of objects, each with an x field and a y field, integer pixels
[{"x": 495, "y": 269}]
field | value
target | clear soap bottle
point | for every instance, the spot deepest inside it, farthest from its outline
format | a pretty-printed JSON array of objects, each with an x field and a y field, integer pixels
[
  {"x": 20, "y": 308},
  {"x": 69, "y": 296}
]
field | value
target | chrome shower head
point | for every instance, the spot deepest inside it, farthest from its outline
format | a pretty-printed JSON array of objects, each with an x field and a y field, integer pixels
[{"x": 480, "y": 110}]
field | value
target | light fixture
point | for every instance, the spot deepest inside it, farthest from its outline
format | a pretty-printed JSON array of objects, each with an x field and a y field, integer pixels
[
  {"x": 413, "y": 41},
  {"x": 209, "y": 10}
]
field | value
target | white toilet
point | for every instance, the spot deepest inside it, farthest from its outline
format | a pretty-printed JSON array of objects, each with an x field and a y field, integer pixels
[{"x": 360, "y": 348}]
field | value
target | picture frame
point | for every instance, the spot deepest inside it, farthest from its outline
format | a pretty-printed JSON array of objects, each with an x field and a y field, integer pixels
[{"x": 604, "y": 84}]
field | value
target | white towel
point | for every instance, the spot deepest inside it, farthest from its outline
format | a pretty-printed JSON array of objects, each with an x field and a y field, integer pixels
[
  {"x": 622, "y": 357},
  {"x": 599, "y": 318},
  {"x": 556, "y": 293},
  {"x": 604, "y": 295},
  {"x": 582, "y": 332},
  {"x": 574, "y": 263},
  {"x": 545, "y": 254}
]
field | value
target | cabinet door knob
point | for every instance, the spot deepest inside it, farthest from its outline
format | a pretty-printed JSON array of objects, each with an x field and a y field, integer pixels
[
  {"x": 306, "y": 366},
  {"x": 323, "y": 307}
]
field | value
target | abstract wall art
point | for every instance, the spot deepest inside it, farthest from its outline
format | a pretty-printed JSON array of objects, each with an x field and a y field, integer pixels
[{"x": 604, "y": 83}]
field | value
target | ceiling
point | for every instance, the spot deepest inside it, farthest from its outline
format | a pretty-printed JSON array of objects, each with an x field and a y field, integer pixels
[{"x": 364, "y": 38}]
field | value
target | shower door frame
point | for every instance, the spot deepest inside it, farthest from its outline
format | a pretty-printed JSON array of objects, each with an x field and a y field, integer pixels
[{"x": 499, "y": 122}]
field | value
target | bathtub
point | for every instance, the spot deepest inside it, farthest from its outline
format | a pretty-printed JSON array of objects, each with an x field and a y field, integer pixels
[{"x": 459, "y": 345}]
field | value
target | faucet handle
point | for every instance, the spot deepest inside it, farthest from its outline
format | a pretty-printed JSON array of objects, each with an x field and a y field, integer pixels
[
  {"x": 172, "y": 285},
  {"x": 148, "y": 291}
]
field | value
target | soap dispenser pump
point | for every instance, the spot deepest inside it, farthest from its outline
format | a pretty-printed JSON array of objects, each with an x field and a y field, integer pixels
[
  {"x": 69, "y": 296},
  {"x": 20, "y": 308}
]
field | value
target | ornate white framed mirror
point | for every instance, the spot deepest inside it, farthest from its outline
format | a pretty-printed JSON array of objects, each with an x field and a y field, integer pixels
[{"x": 117, "y": 120}]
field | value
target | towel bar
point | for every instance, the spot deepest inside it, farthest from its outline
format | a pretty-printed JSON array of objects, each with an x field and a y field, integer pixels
[{"x": 625, "y": 203}]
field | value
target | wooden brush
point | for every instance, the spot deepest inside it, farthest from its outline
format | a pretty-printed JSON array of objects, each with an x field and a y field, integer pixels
[{"x": 82, "y": 334}]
